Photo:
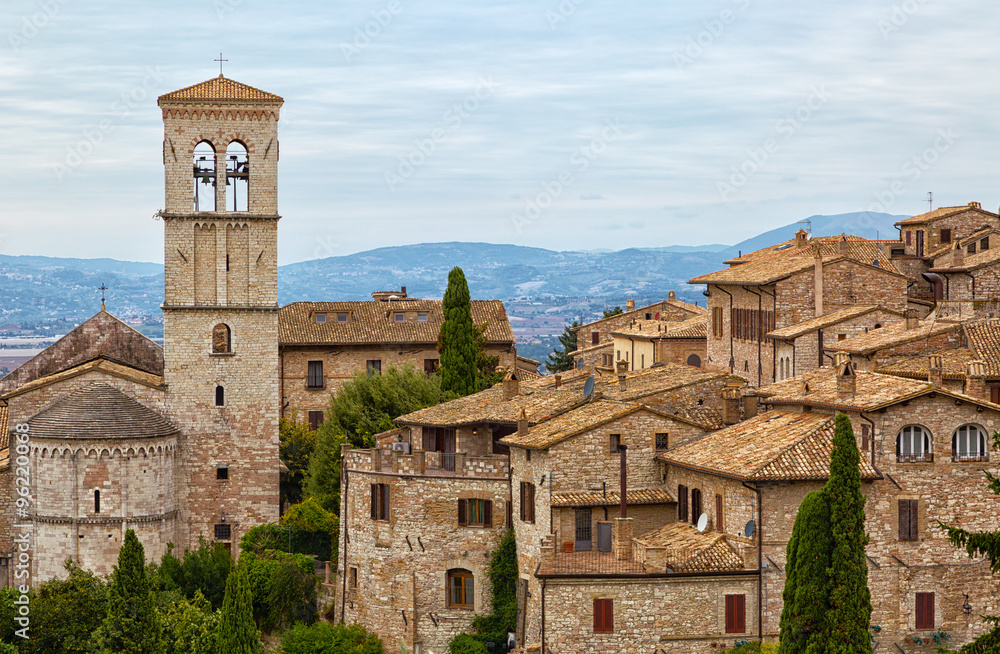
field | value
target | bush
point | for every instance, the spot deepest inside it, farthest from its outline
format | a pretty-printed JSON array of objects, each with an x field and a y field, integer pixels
[
  {"x": 754, "y": 648},
  {"x": 6, "y": 648},
  {"x": 282, "y": 588},
  {"x": 189, "y": 625},
  {"x": 306, "y": 528},
  {"x": 466, "y": 644},
  {"x": 324, "y": 637},
  {"x": 64, "y": 612},
  {"x": 204, "y": 569}
]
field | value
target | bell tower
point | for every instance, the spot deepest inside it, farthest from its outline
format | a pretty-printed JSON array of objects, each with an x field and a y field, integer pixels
[{"x": 220, "y": 311}]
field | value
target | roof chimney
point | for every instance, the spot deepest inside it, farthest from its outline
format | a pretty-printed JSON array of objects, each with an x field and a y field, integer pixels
[
  {"x": 558, "y": 381},
  {"x": 847, "y": 380},
  {"x": 622, "y": 366},
  {"x": 629, "y": 305},
  {"x": 843, "y": 246},
  {"x": 511, "y": 385},
  {"x": 801, "y": 237},
  {"x": 402, "y": 291},
  {"x": 671, "y": 296},
  {"x": 975, "y": 205},
  {"x": 958, "y": 256},
  {"x": 730, "y": 406},
  {"x": 935, "y": 372},
  {"x": 975, "y": 381},
  {"x": 750, "y": 403},
  {"x": 912, "y": 321},
  {"x": 522, "y": 424}
]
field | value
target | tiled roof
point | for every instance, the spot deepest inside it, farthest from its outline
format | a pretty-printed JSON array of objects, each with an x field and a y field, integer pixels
[
  {"x": 826, "y": 320},
  {"x": 649, "y": 308},
  {"x": 99, "y": 411},
  {"x": 592, "y": 349},
  {"x": 773, "y": 446},
  {"x": 102, "y": 335},
  {"x": 634, "y": 496},
  {"x": 954, "y": 361},
  {"x": 219, "y": 88},
  {"x": 892, "y": 335},
  {"x": 705, "y": 416},
  {"x": 695, "y": 327},
  {"x": 100, "y": 364},
  {"x": 373, "y": 323},
  {"x": 689, "y": 550},
  {"x": 984, "y": 338},
  {"x": 969, "y": 261},
  {"x": 549, "y": 432},
  {"x": 940, "y": 212},
  {"x": 785, "y": 259}
]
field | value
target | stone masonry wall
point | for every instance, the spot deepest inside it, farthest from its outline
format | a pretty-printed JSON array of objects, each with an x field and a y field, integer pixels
[{"x": 806, "y": 355}]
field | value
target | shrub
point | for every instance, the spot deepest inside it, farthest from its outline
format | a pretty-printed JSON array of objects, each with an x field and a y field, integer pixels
[
  {"x": 282, "y": 588},
  {"x": 189, "y": 626},
  {"x": 466, "y": 644},
  {"x": 64, "y": 612},
  {"x": 205, "y": 569},
  {"x": 324, "y": 637}
]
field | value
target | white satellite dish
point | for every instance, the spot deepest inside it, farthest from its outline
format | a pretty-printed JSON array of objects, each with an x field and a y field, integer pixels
[
  {"x": 588, "y": 386},
  {"x": 748, "y": 529},
  {"x": 703, "y": 522}
]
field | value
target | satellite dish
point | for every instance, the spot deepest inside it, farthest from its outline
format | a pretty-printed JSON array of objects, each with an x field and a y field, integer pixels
[
  {"x": 748, "y": 529},
  {"x": 579, "y": 364},
  {"x": 588, "y": 386},
  {"x": 703, "y": 522}
]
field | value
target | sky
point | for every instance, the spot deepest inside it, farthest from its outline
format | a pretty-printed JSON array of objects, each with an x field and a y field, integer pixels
[{"x": 561, "y": 124}]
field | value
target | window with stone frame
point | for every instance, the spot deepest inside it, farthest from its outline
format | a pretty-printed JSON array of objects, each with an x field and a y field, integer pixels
[
  {"x": 380, "y": 502},
  {"x": 221, "y": 339},
  {"x": 527, "y": 501},
  {"x": 220, "y": 396},
  {"x": 614, "y": 442},
  {"x": 474, "y": 512},
  {"x": 204, "y": 176},
  {"x": 353, "y": 579},
  {"x": 461, "y": 589},
  {"x": 315, "y": 419},
  {"x": 924, "y": 611},
  {"x": 913, "y": 445},
  {"x": 314, "y": 374},
  {"x": 374, "y": 367},
  {"x": 97, "y": 500},
  {"x": 736, "y": 614},
  {"x": 604, "y": 615},
  {"x": 661, "y": 441},
  {"x": 968, "y": 443}
]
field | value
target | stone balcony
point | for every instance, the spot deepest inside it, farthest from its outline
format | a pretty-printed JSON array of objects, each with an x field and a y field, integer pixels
[{"x": 422, "y": 463}]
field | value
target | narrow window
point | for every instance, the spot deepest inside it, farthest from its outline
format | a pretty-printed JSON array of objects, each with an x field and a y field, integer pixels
[
  {"x": 604, "y": 616},
  {"x": 945, "y": 235},
  {"x": 615, "y": 441},
  {"x": 925, "y": 610},
  {"x": 237, "y": 177},
  {"x": 527, "y": 455},
  {"x": 222, "y": 472},
  {"x": 461, "y": 589},
  {"x": 720, "y": 525},
  {"x": 984, "y": 244},
  {"x": 315, "y": 419},
  {"x": 661, "y": 442},
  {"x": 97, "y": 501},
  {"x": 221, "y": 339},
  {"x": 736, "y": 618},
  {"x": 220, "y": 396},
  {"x": 909, "y": 520},
  {"x": 314, "y": 376},
  {"x": 380, "y": 501},
  {"x": 642, "y": 361},
  {"x": 527, "y": 502},
  {"x": 682, "y": 503},
  {"x": 431, "y": 366},
  {"x": 695, "y": 505},
  {"x": 204, "y": 177},
  {"x": 595, "y": 338},
  {"x": 354, "y": 578},
  {"x": 374, "y": 367},
  {"x": 908, "y": 239}
]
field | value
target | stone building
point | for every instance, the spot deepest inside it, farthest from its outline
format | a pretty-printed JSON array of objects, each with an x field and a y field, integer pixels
[
  {"x": 786, "y": 284},
  {"x": 643, "y": 343},
  {"x": 324, "y": 344},
  {"x": 909, "y": 337},
  {"x": 180, "y": 442}
]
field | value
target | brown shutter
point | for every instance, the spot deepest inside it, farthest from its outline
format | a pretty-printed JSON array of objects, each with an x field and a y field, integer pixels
[
  {"x": 730, "y": 614},
  {"x": 523, "y": 513},
  {"x": 609, "y": 615},
  {"x": 461, "y": 513},
  {"x": 741, "y": 613},
  {"x": 925, "y": 611},
  {"x": 531, "y": 503},
  {"x": 374, "y": 501},
  {"x": 914, "y": 527},
  {"x": 598, "y": 616},
  {"x": 488, "y": 513},
  {"x": 385, "y": 501},
  {"x": 904, "y": 520},
  {"x": 682, "y": 503},
  {"x": 719, "y": 526}
]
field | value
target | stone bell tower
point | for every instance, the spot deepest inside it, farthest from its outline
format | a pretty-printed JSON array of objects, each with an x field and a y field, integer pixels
[{"x": 220, "y": 311}]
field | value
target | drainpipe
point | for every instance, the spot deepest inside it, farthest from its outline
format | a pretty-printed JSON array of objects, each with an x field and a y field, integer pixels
[
  {"x": 760, "y": 560},
  {"x": 544, "y": 648},
  {"x": 345, "y": 512},
  {"x": 624, "y": 485},
  {"x": 819, "y": 345},
  {"x": 731, "y": 360}
]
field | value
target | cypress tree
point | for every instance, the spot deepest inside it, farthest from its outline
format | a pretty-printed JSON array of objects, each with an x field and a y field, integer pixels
[
  {"x": 131, "y": 625},
  {"x": 807, "y": 587},
  {"x": 237, "y": 632},
  {"x": 850, "y": 600},
  {"x": 562, "y": 359},
  {"x": 457, "y": 339}
]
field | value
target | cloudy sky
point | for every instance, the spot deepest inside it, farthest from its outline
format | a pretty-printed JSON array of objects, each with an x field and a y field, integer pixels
[{"x": 572, "y": 124}]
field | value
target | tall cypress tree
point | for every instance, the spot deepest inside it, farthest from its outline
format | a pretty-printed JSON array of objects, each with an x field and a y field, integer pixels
[
  {"x": 457, "y": 339},
  {"x": 850, "y": 600},
  {"x": 237, "y": 632},
  {"x": 131, "y": 625},
  {"x": 807, "y": 586}
]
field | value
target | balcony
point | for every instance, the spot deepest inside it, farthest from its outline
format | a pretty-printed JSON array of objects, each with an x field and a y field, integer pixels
[
  {"x": 923, "y": 457},
  {"x": 430, "y": 464},
  {"x": 970, "y": 458}
]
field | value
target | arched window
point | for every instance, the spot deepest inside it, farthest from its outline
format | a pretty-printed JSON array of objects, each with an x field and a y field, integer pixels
[
  {"x": 204, "y": 177},
  {"x": 913, "y": 445},
  {"x": 221, "y": 339},
  {"x": 461, "y": 589},
  {"x": 237, "y": 177},
  {"x": 694, "y": 360},
  {"x": 968, "y": 443},
  {"x": 220, "y": 396}
]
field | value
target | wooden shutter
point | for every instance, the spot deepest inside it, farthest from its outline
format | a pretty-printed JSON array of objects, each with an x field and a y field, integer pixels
[
  {"x": 719, "y": 526},
  {"x": 908, "y": 514},
  {"x": 682, "y": 503},
  {"x": 695, "y": 505},
  {"x": 741, "y": 613},
  {"x": 531, "y": 502},
  {"x": 385, "y": 501},
  {"x": 374, "y": 501},
  {"x": 914, "y": 514},
  {"x": 736, "y": 614},
  {"x": 462, "y": 521},
  {"x": 604, "y": 620},
  {"x": 488, "y": 513},
  {"x": 523, "y": 512},
  {"x": 925, "y": 611}
]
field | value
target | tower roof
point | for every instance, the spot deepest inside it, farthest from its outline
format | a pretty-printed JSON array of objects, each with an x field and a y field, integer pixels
[
  {"x": 220, "y": 89},
  {"x": 99, "y": 411}
]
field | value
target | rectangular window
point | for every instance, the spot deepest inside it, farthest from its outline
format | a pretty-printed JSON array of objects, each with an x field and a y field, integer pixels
[
  {"x": 527, "y": 501},
  {"x": 354, "y": 578},
  {"x": 984, "y": 244},
  {"x": 736, "y": 614},
  {"x": 475, "y": 513},
  {"x": 682, "y": 503},
  {"x": 399, "y": 317},
  {"x": 223, "y": 531},
  {"x": 925, "y": 610},
  {"x": 222, "y": 472},
  {"x": 908, "y": 237},
  {"x": 374, "y": 367},
  {"x": 380, "y": 502},
  {"x": 971, "y": 249},
  {"x": 421, "y": 316},
  {"x": 460, "y": 589},
  {"x": 695, "y": 505},
  {"x": 431, "y": 366},
  {"x": 604, "y": 616},
  {"x": 315, "y": 419},
  {"x": 595, "y": 338},
  {"x": 97, "y": 501},
  {"x": 341, "y": 317},
  {"x": 314, "y": 378},
  {"x": 320, "y": 318},
  {"x": 945, "y": 235},
  {"x": 661, "y": 442},
  {"x": 908, "y": 520},
  {"x": 720, "y": 524},
  {"x": 615, "y": 441}
]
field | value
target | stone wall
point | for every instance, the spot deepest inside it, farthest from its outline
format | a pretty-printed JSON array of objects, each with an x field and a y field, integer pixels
[{"x": 805, "y": 357}]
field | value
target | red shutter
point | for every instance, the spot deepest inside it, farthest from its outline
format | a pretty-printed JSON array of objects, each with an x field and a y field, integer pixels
[
  {"x": 488, "y": 513},
  {"x": 598, "y": 617},
  {"x": 730, "y": 614},
  {"x": 604, "y": 621},
  {"x": 374, "y": 501},
  {"x": 461, "y": 513},
  {"x": 741, "y": 613},
  {"x": 925, "y": 611},
  {"x": 719, "y": 526},
  {"x": 609, "y": 615}
]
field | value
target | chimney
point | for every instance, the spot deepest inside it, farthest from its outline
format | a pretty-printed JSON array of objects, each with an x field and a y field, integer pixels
[
  {"x": 750, "y": 406},
  {"x": 511, "y": 386},
  {"x": 622, "y": 380},
  {"x": 843, "y": 246},
  {"x": 847, "y": 381},
  {"x": 623, "y": 531},
  {"x": 975, "y": 381},
  {"x": 522, "y": 424},
  {"x": 958, "y": 256},
  {"x": 818, "y": 280},
  {"x": 402, "y": 291},
  {"x": 730, "y": 406},
  {"x": 975, "y": 205},
  {"x": 912, "y": 321},
  {"x": 548, "y": 551},
  {"x": 558, "y": 381},
  {"x": 629, "y": 305},
  {"x": 671, "y": 297},
  {"x": 801, "y": 237},
  {"x": 936, "y": 371}
]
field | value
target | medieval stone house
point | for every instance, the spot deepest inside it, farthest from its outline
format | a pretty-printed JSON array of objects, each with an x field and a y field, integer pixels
[{"x": 642, "y": 343}]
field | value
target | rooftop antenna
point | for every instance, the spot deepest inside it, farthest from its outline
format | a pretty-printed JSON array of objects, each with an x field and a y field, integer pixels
[
  {"x": 930, "y": 201},
  {"x": 809, "y": 225}
]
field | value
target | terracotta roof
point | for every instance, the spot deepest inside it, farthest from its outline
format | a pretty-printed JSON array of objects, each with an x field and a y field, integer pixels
[
  {"x": 786, "y": 259},
  {"x": 954, "y": 361},
  {"x": 694, "y": 327},
  {"x": 969, "y": 261},
  {"x": 373, "y": 322},
  {"x": 705, "y": 416},
  {"x": 649, "y": 308},
  {"x": 984, "y": 338},
  {"x": 826, "y": 320},
  {"x": 100, "y": 364},
  {"x": 549, "y": 432},
  {"x": 219, "y": 89},
  {"x": 941, "y": 212},
  {"x": 773, "y": 446},
  {"x": 689, "y": 550},
  {"x": 99, "y": 411},
  {"x": 634, "y": 496},
  {"x": 892, "y": 335},
  {"x": 590, "y": 349},
  {"x": 103, "y": 335}
]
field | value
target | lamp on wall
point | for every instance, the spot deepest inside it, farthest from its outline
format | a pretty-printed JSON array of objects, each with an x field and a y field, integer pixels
[{"x": 966, "y": 608}]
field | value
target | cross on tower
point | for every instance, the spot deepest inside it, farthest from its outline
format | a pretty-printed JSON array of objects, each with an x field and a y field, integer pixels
[
  {"x": 102, "y": 289},
  {"x": 220, "y": 60}
]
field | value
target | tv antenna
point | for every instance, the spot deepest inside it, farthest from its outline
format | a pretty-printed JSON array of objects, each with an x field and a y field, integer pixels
[
  {"x": 930, "y": 201},
  {"x": 809, "y": 225}
]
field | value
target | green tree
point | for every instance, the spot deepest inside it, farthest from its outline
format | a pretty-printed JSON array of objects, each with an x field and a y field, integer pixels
[
  {"x": 297, "y": 443},
  {"x": 562, "y": 359},
  {"x": 203, "y": 570},
  {"x": 189, "y": 625},
  {"x": 807, "y": 586},
  {"x": 457, "y": 339},
  {"x": 328, "y": 637},
  {"x": 613, "y": 312},
  {"x": 64, "y": 612},
  {"x": 131, "y": 625},
  {"x": 237, "y": 633},
  {"x": 850, "y": 600}
]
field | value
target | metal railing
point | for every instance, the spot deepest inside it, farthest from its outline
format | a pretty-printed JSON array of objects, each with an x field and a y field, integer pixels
[
  {"x": 447, "y": 460},
  {"x": 970, "y": 458},
  {"x": 925, "y": 457}
]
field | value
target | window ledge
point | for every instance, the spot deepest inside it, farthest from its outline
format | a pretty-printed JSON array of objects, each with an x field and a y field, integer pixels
[
  {"x": 221, "y": 354},
  {"x": 315, "y": 388}
]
